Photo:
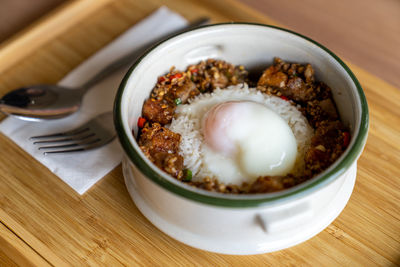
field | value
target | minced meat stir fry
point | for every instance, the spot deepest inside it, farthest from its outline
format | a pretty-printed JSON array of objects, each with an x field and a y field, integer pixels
[{"x": 291, "y": 81}]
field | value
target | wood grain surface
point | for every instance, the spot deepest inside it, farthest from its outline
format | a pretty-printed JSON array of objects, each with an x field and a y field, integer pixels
[
  {"x": 366, "y": 32},
  {"x": 17, "y": 14},
  {"x": 44, "y": 222}
]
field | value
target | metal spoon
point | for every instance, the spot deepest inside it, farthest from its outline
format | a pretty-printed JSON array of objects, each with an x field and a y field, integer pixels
[{"x": 43, "y": 102}]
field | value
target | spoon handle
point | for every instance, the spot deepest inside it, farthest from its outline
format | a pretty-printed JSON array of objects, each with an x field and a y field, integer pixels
[{"x": 132, "y": 56}]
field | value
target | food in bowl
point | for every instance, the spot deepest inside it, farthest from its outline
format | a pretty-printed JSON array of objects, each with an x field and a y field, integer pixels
[
  {"x": 251, "y": 223},
  {"x": 206, "y": 127}
]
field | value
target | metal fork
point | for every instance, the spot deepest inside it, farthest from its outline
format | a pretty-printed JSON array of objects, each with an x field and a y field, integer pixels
[{"x": 92, "y": 134}]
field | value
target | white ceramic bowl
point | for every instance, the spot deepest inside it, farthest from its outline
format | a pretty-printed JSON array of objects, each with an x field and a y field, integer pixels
[{"x": 239, "y": 224}]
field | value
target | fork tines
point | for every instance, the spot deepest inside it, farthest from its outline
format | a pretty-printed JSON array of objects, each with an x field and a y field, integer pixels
[
  {"x": 64, "y": 142},
  {"x": 93, "y": 134}
]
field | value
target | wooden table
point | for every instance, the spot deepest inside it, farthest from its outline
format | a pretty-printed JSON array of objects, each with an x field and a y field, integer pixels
[{"x": 44, "y": 222}]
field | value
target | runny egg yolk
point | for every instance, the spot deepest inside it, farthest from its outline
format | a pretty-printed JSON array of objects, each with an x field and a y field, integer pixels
[{"x": 255, "y": 137}]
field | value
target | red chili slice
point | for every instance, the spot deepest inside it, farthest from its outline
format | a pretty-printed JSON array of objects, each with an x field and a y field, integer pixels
[
  {"x": 194, "y": 70},
  {"x": 178, "y": 75},
  {"x": 346, "y": 139},
  {"x": 284, "y": 98},
  {"x": 141, "y": 121},
  {"x": 161, "y": 79}
]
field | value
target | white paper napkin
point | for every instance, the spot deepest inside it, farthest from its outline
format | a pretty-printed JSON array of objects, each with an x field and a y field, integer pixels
[{"x": 82, "y": 170}]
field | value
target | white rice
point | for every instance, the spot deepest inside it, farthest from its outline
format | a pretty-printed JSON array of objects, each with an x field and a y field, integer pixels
[{"x": 188, "y": 123}]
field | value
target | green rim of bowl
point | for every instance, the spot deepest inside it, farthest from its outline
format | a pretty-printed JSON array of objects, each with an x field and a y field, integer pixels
[{"x": 242, "y": 201}]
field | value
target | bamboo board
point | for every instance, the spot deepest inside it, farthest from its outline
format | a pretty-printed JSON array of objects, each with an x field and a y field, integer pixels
[{"x": 44, "y": 222}]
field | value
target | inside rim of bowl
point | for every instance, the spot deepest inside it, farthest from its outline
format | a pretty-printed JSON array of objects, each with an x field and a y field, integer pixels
[{"x": 244, "y": 200}]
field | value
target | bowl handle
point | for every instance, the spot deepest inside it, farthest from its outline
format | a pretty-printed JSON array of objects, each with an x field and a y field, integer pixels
[{"x": 274, "y": 221}]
